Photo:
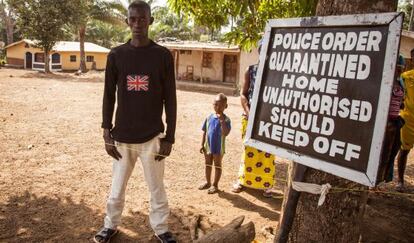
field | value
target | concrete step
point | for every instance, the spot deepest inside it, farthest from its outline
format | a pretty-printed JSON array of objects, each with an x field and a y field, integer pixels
[{"x": 227, "y": 89}]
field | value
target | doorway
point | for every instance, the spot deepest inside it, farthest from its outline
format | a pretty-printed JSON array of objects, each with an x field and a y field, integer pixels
[
  {"x": 29, "y": 60},
  {"x": 229, "y": 68}
]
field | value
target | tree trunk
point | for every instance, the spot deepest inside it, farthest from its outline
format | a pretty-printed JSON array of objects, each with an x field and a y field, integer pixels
[
  {"x": 9, "y": 32},
  {"x": 47, "y": 68},
  {"x": 343, "y": 7},
  {"x": 82, "y": 66},
  {"x": 339, "y": 218},
  {"x": 411, "y": 25},
  {"x": 8, "y": 22}
]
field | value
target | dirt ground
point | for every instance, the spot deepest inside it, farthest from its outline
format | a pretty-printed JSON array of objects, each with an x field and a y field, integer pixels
[{"x": 55, "y": 174}]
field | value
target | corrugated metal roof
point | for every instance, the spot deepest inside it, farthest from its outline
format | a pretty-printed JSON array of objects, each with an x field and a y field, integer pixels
[
  {"x": 68, "y": 46},
  {"x": 74, "y": 46},
  {"x": 407, "y": 33},
  {"x": 208, "y": 46}
]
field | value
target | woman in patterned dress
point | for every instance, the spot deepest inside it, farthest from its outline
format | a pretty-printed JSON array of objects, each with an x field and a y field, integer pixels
[{"x": 257, "y": 169}]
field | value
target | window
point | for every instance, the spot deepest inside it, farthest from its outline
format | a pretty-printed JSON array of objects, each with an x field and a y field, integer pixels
[
  {"x": 89, "y": 58},
  {"x": 39, "y": 57},
  {"x": 185, "y": 52},
  {"x": 72, "y": 58},
  {"x": 55, "y": 58},
  {"x": 207, "y": 57}
]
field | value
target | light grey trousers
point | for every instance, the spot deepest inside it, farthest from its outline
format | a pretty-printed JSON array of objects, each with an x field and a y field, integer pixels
[{"x": 154, "y": 176}]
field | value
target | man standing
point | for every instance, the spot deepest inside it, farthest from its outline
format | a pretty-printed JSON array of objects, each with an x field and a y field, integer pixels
[{"x": 141, "y": 74}]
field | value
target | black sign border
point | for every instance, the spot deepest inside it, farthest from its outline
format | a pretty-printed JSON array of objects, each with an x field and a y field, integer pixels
[{"x": 394, "y": 22}]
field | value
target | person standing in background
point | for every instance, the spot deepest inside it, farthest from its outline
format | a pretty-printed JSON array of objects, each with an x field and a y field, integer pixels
[{"x": 257, "y": 169}]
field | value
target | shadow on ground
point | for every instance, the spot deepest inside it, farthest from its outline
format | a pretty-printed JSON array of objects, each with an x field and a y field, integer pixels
[
  {"x": 388, "y": 219},
  {"x": 90, "y": 77},
  {"x": 30, "y": 218},
  {"x": 242, "y": 203}
]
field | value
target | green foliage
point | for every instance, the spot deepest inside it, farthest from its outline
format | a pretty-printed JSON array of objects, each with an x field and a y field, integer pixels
[
  {"x": 124, "y": 10},
  {"x": 212, "y": 14},
  {"x": 2, "y": 57},
  {"x": 88, "y": 10},
  {"x": 168, "y": 24},
  {"x": 8, "y": 31},
  {"x": 105, "y": 11},
  {"x": 247, "y": 18},
  {"x": 44, "y": 20},
  {"x": 406, "y": 7},
  {"x": 105, "y": 34}
]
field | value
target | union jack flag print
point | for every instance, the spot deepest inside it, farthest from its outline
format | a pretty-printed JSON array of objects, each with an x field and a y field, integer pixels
[{"x": 137, "y": 82}]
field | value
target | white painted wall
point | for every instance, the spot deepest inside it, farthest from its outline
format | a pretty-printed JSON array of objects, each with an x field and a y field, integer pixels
[
  {"x": 214, "y": 73},
  {"x": 185, "y": 60},
  {"x": 247, "y": 59},
  {"x": 406, "y": 45}
]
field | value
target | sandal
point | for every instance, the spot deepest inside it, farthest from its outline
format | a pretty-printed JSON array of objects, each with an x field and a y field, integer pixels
[
  {"x": 104, "y": 235},
  {"x": 204, "y": 186},
  {"x": 212, "y": 190},
  {"x": 267, "y": 194},
  {"x": 237, "y": 188},
  {"x": 400, "y": 187},
  {"x": 167, "y": 237}
]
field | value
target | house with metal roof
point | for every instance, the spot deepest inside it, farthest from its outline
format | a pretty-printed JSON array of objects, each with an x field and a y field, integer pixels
[
  {"x": 203, "y": 66},
  {"x": 407, "y": 43},
  {"x": 65, "y": 55},
  {"x": 209, "y": 66}
]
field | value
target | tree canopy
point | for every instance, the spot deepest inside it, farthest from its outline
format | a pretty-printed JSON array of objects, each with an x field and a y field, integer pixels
[
  {"x": 97, "y": 10},
  {"x": 105, "y": 34},
  {"x": 7, "y": 21},
  {"x": 247, "y": 19},
  {"x": 406, "y": 7},
  {"x": 168, "y": 24},
  {"x": 44, "y": 21}
]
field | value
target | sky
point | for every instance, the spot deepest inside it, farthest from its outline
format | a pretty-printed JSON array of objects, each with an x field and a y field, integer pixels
[{"x": 161, "y": 2}]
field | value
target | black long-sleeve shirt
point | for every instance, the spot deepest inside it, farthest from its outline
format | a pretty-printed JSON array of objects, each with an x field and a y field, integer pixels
[{"x": 143, "y": 79}]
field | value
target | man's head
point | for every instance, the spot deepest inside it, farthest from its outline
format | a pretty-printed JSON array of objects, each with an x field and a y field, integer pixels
[
  {"x": 220, "y": 103},
  {"x": 139, "y": 19}
]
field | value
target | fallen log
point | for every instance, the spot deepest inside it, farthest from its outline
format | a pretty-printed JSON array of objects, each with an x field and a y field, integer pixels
[
  {"x": 234, "y": 232},
  {"x": 190, "y": 220}
]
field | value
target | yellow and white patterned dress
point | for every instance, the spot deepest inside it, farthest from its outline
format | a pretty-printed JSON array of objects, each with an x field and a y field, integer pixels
[
  {"x": 407, "y": 131},
  {"x": 257, "y": 169}
]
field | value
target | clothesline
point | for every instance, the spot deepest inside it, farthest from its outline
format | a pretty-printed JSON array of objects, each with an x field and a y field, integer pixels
[{"x": 332, "y": 189}]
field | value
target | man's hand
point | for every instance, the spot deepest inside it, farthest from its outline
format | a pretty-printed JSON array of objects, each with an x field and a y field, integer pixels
[
  {"x": 110, "y": 145},
  {"x": 202, "y": 150},
  {"x": 165, "y": 150}
]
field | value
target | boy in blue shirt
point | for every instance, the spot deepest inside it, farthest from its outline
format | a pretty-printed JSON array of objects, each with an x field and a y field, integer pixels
[{"x": 216, "y": 127}]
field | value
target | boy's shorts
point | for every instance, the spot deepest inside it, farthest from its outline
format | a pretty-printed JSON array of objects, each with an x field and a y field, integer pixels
[{"x": 214, "y": 150}]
